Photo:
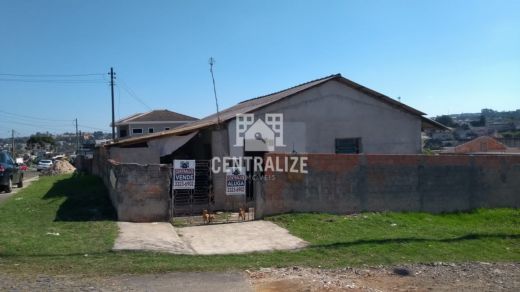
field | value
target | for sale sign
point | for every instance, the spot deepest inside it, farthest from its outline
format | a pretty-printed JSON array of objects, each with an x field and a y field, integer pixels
[
  {"x": 183, "y": 174},
  {"x": 236, "y": 181}
]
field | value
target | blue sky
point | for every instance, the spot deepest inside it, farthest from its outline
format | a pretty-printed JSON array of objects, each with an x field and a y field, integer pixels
[{"x": 438, "y": 56}]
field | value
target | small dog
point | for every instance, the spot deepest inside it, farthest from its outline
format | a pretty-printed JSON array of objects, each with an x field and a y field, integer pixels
[
  {"x": 242, "y": 214},
  {"x": 207, "y": 218}
]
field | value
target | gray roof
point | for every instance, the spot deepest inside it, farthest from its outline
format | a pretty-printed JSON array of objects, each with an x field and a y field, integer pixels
[
  {"x": 253, "y": 104},
  {"x": 162, "y": 115}
]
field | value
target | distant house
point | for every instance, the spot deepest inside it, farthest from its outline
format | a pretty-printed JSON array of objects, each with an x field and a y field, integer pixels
[
  {"x": 482, "y": 144},
  {"x": 151, "y": 122}
]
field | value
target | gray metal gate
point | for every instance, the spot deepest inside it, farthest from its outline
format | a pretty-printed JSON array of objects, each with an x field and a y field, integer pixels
[
  {"x": 191, "y": 202},
  {"x": 187, "y": 205}
]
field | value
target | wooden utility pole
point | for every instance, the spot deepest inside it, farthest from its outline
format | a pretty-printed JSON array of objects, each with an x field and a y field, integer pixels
[
  {"x": 113, "y": 114},
  {"x": 77, "y": 137},
  {"x": 12, "y": 144}
]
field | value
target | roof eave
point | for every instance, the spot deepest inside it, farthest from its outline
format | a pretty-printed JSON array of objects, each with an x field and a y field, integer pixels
[{"x": 431, "y": 124}]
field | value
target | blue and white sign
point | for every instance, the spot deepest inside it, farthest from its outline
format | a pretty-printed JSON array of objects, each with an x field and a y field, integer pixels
[
  {"x": 236, "y": 181},
  {"x": 183, "y": 174}
]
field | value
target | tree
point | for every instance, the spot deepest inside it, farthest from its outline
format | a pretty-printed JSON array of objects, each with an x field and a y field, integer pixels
[
  {"x": 446, "y": 120},
  {"x": 98, "y": 135},
  {"x": 41, "y": 140},
  {"x": 480, "y": 123}
]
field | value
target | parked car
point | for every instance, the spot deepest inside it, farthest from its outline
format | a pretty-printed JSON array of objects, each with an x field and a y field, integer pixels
[
  {"x": 9, "y": 173},
  {"x": 44, "y": 164}
]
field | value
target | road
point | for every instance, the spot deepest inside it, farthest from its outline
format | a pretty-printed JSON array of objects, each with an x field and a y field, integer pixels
[
  {"x": 181, "y": 281},
  {"x": 29, "y": 177}
]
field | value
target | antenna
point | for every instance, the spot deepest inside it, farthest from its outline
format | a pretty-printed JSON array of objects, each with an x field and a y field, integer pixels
[{"x": 211, "y": 63}]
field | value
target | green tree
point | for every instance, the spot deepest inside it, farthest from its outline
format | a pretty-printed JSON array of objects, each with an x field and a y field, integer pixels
[
  {"x": 480, "y": 123},
  {"x": 446, "y": 120},
  {"x": 40, "y": 140}
]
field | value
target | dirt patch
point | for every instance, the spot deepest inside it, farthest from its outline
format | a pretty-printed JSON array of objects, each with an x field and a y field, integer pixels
[
  {"x": 63, "y": 167},
  {"x": 436, "y": 277}
]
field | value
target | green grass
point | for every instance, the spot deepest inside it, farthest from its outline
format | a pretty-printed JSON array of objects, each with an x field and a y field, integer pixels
[{"x": 77, "y": 207}]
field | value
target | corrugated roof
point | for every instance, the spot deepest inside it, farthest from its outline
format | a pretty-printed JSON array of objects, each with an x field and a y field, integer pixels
[
  {"x": 262, "y": 101},
  {"x": 162, "y": 115}
]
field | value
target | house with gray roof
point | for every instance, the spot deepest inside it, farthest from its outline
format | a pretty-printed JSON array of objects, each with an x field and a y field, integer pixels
[
  {"x": 150, "y": 122},
  {"x": 328, "y": 115}
]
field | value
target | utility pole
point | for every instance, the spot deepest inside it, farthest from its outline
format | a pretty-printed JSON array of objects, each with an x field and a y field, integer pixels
[
  {"x": 113, "y": 115},
  {"x": 77, "y": 137},
  {"x": 211, "y": 63},
  {"x": 12, "y": 144}
]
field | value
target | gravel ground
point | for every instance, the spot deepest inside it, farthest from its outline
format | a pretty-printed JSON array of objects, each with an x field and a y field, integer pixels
[{"x": 434, "y": 277}]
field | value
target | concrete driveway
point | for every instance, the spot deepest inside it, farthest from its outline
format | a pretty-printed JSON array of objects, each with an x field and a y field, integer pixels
[
  {"x": 157, "y": 236},
  {"x": 232, "y": 238}
]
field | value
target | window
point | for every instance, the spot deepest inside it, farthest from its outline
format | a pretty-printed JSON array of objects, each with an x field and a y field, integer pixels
[
  {"x": 122, "y": 133},
  {"x": 167, "y": 128},
  {"x": 348, "y": 145},
  {"x": 150, "y": 130},
  {"x": 137, "y": 131}
]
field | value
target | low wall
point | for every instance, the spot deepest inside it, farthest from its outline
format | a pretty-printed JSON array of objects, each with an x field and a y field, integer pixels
[
  {"x": 139, "y": 193},
  {"x": 355, "y": 183},
  {"x": 142, "y": 155},
  {"x": 83, "y": 164}
]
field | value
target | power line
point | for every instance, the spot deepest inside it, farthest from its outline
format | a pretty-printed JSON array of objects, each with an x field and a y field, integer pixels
[
  {"x": 132, "y": 93},
  {"x": 91, "y": 127},
  {"x": 56, "y": 81},
  {"x": 39, "y": 125},
  {"x": 35, "y": 118},
  {"x": 51, "y": 75}
]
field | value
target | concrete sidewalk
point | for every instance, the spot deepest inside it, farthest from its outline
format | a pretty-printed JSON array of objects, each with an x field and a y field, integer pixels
[
  {"x": 158, "y": 236},
  {"x": 232, "y": 238}
]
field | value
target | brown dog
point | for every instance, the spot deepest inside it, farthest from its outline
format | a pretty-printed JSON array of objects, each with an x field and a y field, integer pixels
[
  {"x": 205, "y": 216},
  {"x": 242, "y": 214}
]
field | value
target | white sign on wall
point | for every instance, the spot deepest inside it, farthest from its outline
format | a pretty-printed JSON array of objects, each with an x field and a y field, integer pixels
[
  {"x": 236, "y": 181},
  {"x": 183, "y": 174}
]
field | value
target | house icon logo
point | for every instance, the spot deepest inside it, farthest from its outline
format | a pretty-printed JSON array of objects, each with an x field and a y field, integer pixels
[{"x": 259, "y": 136}]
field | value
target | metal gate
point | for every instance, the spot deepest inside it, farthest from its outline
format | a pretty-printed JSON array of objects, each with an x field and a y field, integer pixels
[
  {"x": 187, "y": 205},
  {"x": 190, "y": 202}
]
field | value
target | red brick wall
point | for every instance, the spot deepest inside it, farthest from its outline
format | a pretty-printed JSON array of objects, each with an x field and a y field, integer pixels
[{"x": 354, "y": 183}]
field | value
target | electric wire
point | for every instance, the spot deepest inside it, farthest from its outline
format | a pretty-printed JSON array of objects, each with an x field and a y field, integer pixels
[{"x": 132, "y": 94}]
